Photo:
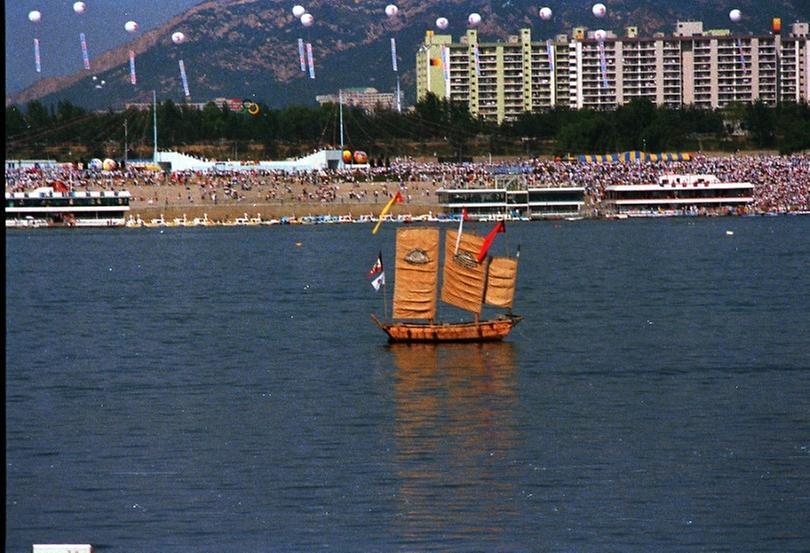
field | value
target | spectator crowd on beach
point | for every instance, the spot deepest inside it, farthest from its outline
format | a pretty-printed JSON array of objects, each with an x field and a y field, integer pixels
[{"x": 781, "y": 183}]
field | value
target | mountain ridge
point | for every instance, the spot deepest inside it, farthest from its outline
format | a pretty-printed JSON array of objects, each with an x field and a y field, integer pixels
[{"x": 248, "y": 48}]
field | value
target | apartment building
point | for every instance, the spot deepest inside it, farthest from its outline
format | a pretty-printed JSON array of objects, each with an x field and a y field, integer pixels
[{"x": 600, "y": 70}]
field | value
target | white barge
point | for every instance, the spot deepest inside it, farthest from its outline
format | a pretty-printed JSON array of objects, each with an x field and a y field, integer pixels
[
  {"x": 45, "y": 207},
  {"x": 678, "y": 195}
]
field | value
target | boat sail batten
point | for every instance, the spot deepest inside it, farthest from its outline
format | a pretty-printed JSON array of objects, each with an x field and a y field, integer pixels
[
  {"x": 463, "y": 279},
  {"x": 417, "y": 270},
  {"x": 501, "y": 280}
]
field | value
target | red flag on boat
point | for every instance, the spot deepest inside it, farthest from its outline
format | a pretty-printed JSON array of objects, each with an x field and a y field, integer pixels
[
  {"x": 500, "y": 227},
  {"x": 377, "y": 268},
  {"x": 378, "y": 273}
]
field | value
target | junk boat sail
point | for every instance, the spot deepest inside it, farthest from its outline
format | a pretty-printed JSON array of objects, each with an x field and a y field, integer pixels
[{"x": 467, "y": 283}]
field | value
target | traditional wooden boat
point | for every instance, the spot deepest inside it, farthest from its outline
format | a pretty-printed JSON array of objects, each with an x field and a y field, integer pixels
[{"x": 467, "y": 284}]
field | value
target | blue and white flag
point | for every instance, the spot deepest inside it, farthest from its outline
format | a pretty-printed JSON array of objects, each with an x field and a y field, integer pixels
[
  {"x": 301, "y": 56},
  {"x": 742, "y": 54},
  {"x": 311, "y": 60},
  {"x": 603, "y": 63},
  {"x": 184, "y": 79},
  {"x": 85, "y": 56}
]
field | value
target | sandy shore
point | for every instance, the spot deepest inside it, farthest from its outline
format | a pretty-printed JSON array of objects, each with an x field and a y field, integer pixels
[{"x": 174, "y": 201}]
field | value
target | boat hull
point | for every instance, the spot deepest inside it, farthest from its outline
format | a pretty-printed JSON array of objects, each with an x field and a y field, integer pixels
[{"x": 482, "y": 331}]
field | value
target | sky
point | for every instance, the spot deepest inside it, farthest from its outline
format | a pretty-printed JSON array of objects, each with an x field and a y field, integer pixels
[{"x": 58, "y": 32}]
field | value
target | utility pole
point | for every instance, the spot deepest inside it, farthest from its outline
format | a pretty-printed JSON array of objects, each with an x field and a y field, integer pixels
[
  {"x": 340, "y": 101},
  {"x": 154, "y": 124},
  {"x": 126, "y": 145},
  {"x": 399, "y": 94}
]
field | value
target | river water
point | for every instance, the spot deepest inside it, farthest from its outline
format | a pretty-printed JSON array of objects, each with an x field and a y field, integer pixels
[{"x": 196, "y": 390}]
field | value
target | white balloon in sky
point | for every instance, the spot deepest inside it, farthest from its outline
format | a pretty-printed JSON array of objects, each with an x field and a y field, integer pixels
[
  {"x": 79, "y": 7},
  {"x": 545, "y": 14},
  {"x": 600, "y": 34},
  {"x": 735, "y": 15},
  {"x": 307, "y": 20},
  {"x": 442, "y": 23},
  {"x": 391, "y": 10},
  {"x": 131, "y": 26},
  {"x": 34, "y": 16},
  {"x": 599, "y": 10},
  {"x": 298, "y": 10},
  {"x": 474, "y": 19},
  {"x": 178, "y": 38}
]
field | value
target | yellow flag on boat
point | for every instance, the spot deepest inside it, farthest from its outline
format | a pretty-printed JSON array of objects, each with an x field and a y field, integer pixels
[{"x": 395, "y": 200}]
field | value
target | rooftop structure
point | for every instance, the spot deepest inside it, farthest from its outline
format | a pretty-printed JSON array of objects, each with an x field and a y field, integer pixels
[
  {"x": 234, "y": 104},
  {"x": 369, "y": 99}
]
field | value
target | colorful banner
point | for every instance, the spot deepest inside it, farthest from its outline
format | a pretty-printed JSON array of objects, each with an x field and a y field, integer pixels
[
  {"x": 184, "y": 79},
  {"x": 742, "y": 54},
  {"x": 634, "y": 156},
  {"x": 85, "y": 56},
  {"x": 311, "y": 60},
  {"x": 132, "y": 78},
  {"x": 394, "y": 54},
  {"x": 301, "y": 56},
  {"x": 550, "y": 52},
  {"x": 477, "y": 59},
  {"x": 36, "y": 56},
  {"x": 446, "y": 68},
  {"x": 603, "y": 63}
]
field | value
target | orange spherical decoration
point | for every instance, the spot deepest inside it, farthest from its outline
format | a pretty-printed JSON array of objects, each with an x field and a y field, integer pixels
[
  {"x": 347, "y": 156},
  {"x": 360, "y": 157}
]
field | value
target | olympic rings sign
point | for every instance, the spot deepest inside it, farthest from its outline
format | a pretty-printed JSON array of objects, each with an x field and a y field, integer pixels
[{"x": 250, "y": 107}]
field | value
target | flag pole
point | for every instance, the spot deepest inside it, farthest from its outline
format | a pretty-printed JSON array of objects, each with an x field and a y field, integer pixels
[
  {"x": 385, "y": 301},
  {"x": 384, "y": 291}
]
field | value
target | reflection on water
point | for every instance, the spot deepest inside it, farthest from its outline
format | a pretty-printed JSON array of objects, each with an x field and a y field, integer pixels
[{"x": 455, "y": 435}]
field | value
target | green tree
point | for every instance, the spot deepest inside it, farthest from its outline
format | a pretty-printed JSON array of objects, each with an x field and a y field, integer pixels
[
  {"x": 760, "y": 121},
  {"x": 37, "y": 115},
  {"x": 66, "y": 111},
  {"x": 632, "y": 122},
  {"x": 794, "y": 126},
  {"x": 15, "y": 122}
]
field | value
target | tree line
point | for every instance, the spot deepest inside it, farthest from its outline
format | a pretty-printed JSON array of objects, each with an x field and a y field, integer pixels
[{"x": 433, "y": 126}]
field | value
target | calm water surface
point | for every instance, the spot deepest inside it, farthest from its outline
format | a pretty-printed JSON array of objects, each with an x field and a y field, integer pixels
[{"x": 196, "y": 390}]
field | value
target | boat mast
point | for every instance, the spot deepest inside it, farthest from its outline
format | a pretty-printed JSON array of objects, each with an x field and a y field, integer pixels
[{"x": 154, "y": 124}]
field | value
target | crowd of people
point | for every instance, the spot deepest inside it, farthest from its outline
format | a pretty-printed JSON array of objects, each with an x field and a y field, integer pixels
[{"x": 781, "y": 183}]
